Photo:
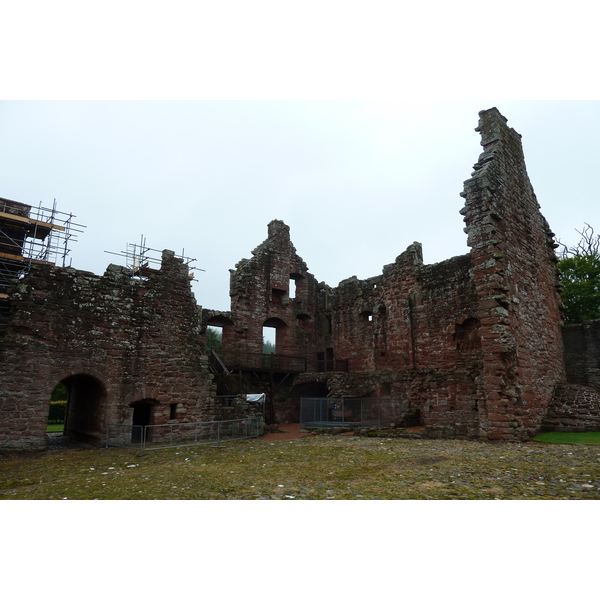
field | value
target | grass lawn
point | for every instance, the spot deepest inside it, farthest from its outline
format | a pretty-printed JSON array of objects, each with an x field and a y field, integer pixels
[
  {"x": 559, "y": 437},
  {"x": 317, "y": 467},
  {"x": 56, "y": 428}
]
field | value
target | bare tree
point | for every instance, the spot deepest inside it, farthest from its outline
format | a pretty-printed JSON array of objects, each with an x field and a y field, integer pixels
[{"x": 588, "y": 245}]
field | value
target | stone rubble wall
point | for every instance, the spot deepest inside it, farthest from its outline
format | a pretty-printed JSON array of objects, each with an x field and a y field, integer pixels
[
  {"x": 515, "y": 276},
  {"x": 471, "y": 346},
  {"x": 130, "y": 339},
  {"x": 574, "y": 408},
  {"x": 474, "y": 342}
]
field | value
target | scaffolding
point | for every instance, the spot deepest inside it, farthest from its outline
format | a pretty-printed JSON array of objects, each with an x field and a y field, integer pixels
[
  {"x": 142, "y": 261},
  {"x": 28, "y": 236}
]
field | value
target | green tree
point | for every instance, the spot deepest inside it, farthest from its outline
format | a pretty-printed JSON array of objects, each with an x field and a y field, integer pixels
[
  {"x": 579, "y": 274},
  {"x": 268, "y": 347},
  {"x": 214, "y": 339}
]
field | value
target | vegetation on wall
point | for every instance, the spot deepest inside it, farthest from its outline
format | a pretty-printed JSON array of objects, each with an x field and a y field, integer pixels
[{"x": 579, "y": 268}]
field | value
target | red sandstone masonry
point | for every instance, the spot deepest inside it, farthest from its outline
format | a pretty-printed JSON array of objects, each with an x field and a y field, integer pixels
[
  {"x": 479, "y": 334},
  {"x": 470, "y": 346},
  {"x": 131, "y": 339},
  {"x": 514, "y": 272}
]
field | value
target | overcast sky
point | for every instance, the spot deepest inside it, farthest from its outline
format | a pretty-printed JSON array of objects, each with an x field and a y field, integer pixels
[{"x": 356, "y": 181}]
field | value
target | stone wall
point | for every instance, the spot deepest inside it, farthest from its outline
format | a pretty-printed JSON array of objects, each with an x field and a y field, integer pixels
[
  {"x": 514, "y": 273},
  {"x": 273, "y": 289},
  {"x": 473, "y": 342},
  {"x": 574, "y": 408},
  {"x": 114, "y": 341},
  {"x": 582, "y": 353},
  {"x": 471, "y": 346}
]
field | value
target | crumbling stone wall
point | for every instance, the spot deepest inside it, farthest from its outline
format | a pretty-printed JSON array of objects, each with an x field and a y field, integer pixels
[
  {"x": 115, "y": 340},
  {"x": 260, "y": 296},
  {"x": 574, "y": 408},
  {"x": 474, "y": 343},
  {"x": 575, "y": 405},
  {"x": 471, "y": 346},
  {"x": 514, "y": 273},
  {"x": 410, "y": 334}
]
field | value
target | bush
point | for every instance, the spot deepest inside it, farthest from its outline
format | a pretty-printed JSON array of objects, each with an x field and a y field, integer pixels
[{"x": 58, "y": 409}]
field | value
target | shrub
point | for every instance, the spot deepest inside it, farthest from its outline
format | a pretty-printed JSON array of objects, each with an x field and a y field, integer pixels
[{"x": 58, "y": 409}]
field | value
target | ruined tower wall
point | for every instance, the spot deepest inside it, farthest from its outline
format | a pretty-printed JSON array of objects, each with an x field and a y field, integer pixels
[
  {"x": 514, "y": 272},
  {"x": 260, "y": 290},
  {"x": 135, "y": 339},
  {"x": 473, "y": 343}
]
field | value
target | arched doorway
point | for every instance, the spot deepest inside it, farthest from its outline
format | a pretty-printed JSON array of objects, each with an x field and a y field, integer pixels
[{"x": 85, "y": 404}]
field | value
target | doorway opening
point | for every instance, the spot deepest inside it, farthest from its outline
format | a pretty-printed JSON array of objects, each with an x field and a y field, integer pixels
[
  {"x": 84, "y": 398},
  {"x": 58, "y": 410},
  {"x": 142, "y": 419}
]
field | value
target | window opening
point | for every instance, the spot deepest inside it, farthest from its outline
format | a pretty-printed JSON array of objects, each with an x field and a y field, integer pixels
[
  {"x": 277, "y": 296},
  {"x": 269, "y": 339},
  {"x": 214, "y": 338}
]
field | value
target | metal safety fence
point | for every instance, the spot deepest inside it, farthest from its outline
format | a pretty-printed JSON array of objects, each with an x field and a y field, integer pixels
[
  {"x": 177, "y": 435},
  {"x": 327, "y": 413}
]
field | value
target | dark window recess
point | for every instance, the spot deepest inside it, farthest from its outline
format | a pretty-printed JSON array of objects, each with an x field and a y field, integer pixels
[
  {"x": 277, "y": 296},
  {"x": 173, "y": 411}
]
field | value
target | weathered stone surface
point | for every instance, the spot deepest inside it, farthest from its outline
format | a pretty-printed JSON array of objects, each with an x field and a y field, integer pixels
[
  {"x": 574, "y": 408},
  {"x": 113, "y": 340},
  {"x": 468, "y": 347},
  {"x": 472, "y": 344}
]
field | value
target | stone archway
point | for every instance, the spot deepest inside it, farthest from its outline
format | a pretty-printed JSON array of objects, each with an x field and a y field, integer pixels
[{"x": 86, "y": 397}]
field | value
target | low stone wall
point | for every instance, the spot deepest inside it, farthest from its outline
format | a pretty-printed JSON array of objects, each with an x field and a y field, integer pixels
[{"x": 574, "y": 408}]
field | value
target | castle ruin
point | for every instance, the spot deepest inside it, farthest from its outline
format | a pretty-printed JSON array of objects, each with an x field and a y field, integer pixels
[{"x": 471, "y": 346}]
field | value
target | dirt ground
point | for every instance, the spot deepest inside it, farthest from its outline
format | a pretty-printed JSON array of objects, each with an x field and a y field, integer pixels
[{"x": 289, "y": 431}]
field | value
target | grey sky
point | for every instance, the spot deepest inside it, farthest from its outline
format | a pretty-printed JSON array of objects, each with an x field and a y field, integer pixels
[{"x": 356, "y": 181}]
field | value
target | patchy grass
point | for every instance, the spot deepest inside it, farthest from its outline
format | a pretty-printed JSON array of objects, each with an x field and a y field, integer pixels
[
  {"x": 558, "y": 437},
  {"x": 55, "y": 428},
  {"x": 316, "y": 467}
]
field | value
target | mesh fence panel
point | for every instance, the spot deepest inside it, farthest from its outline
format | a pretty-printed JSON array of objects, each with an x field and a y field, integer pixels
[{"x": 324, "y": 413}]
